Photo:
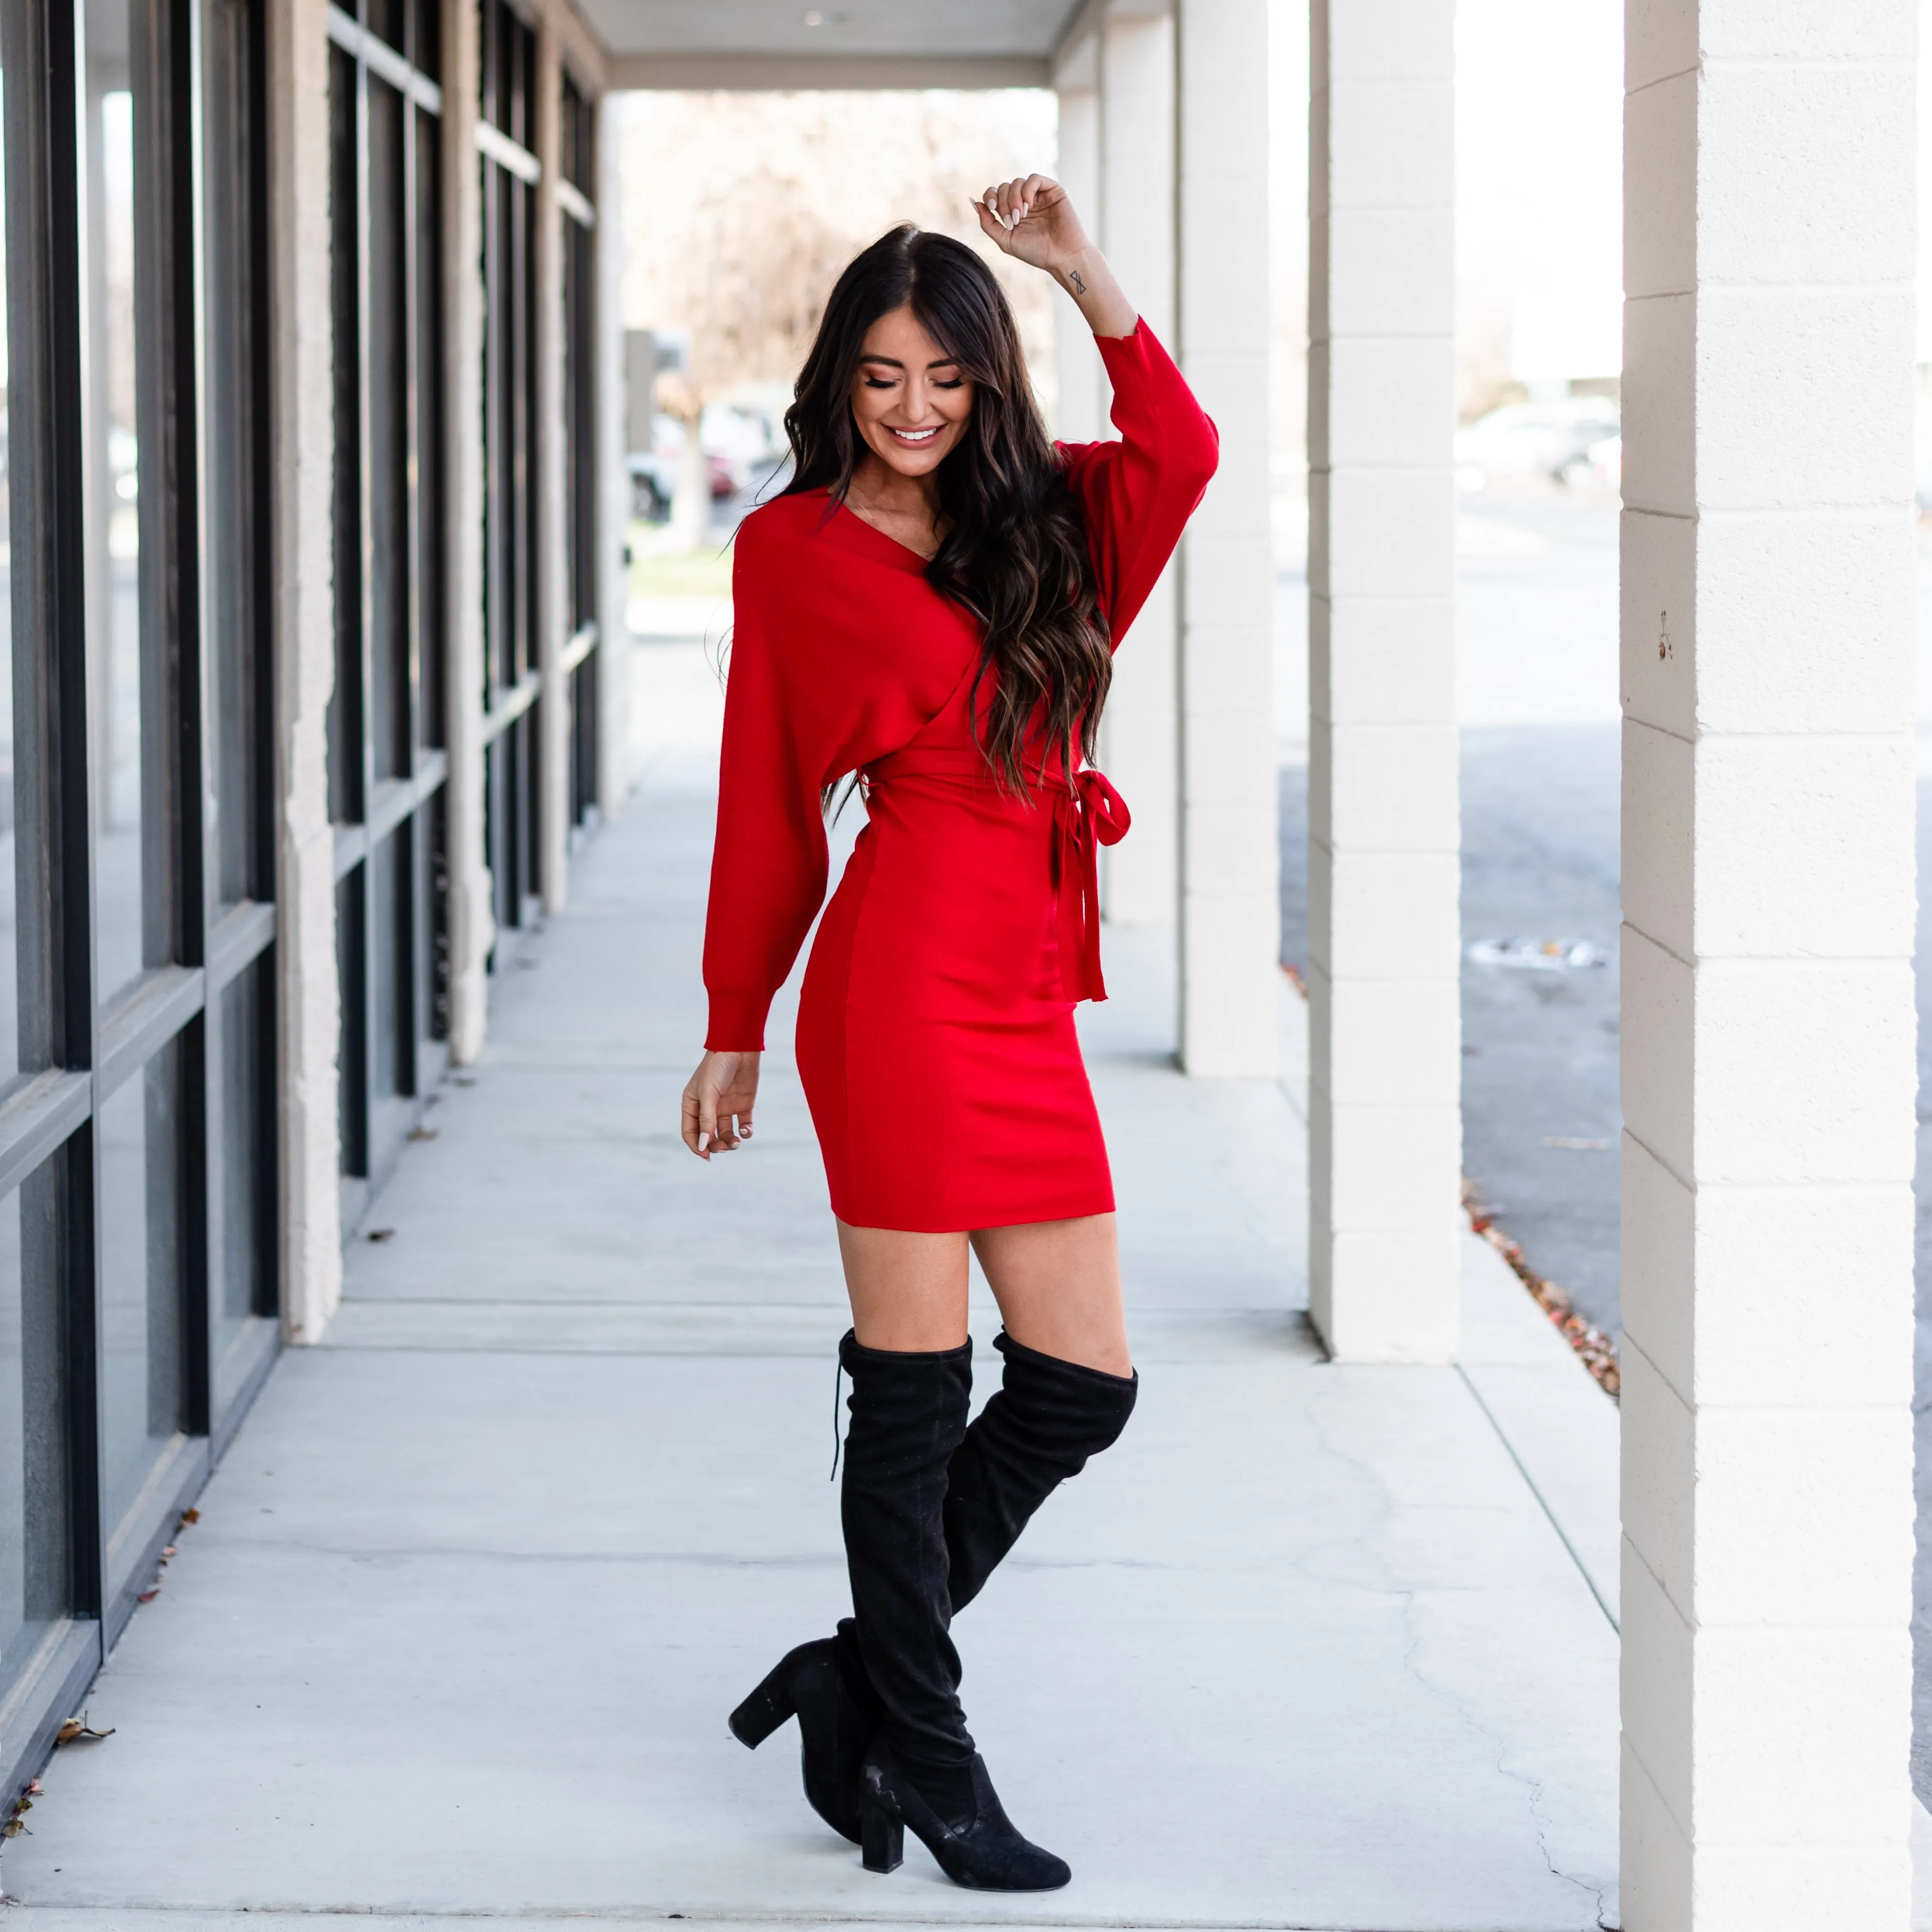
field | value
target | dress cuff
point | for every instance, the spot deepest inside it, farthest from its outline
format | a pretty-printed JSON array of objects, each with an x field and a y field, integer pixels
[
  {"x": 1130, "y": 351},
  {"x": 737, "y": 1022}
]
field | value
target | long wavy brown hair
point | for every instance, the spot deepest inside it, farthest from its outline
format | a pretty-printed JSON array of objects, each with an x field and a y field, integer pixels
[{"x": 1014, "y": 553}]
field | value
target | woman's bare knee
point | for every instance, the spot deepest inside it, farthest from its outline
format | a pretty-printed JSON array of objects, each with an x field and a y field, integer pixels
[{"x": 908, "y": 1291}]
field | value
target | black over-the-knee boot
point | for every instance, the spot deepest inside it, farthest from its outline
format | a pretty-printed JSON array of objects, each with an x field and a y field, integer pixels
[
  {"x": 908, "y": 1418},
  {"x": 908, "y": 1414},
  {"x": 1048, "y": 1417}
]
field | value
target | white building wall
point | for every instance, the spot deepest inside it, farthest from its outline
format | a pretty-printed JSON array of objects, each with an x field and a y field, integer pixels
[
  {"x": 1080, "y": 414},
  {"x": 550, "y": 449},
  {"x": 1140, "y": 731},
  {"x": 1384, "y": 942},
  {"x": 309, "y": 1018},
  {"x": 1768, "y": 1032},
  {"x": 612, "y": 660},
  {"x": 472, "y": 925},
  {"x": 1230, "y": 847}
]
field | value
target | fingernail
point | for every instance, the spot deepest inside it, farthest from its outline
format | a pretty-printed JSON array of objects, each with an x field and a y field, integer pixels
[{"x": 704, "y": 1141}]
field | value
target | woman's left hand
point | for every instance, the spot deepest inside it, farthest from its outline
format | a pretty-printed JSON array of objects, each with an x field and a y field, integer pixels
[{"x": 1032, "y": 220}]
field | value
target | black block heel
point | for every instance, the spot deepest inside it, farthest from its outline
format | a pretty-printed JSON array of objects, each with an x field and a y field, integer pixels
[
  {"x": 765, "y": 1709},
  {"x": 823, "y": 1685},
  {"x": 883, "y": 1839}
]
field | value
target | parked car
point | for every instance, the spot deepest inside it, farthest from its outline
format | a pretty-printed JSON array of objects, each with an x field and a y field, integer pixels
[
  {"x": 1550, "y": 439},
  {"x": 1606, "y": 461},
  {"x": 654, "y": 471}
]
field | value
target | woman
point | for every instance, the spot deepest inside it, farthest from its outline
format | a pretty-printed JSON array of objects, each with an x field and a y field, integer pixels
[{"x": 932, "y": 604}]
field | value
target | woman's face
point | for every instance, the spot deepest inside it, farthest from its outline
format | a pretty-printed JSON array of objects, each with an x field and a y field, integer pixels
[{"x": 909, "y": 398}]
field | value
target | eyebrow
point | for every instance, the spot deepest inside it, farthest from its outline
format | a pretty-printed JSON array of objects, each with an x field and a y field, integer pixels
[{"x": 893, "y": 362}]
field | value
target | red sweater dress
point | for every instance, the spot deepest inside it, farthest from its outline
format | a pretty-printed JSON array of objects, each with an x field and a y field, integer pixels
[{"x": 936, "y": 1041}]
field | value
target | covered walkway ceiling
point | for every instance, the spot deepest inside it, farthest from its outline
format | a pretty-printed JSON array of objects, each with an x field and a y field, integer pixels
[{"x": 791, "y": 43}]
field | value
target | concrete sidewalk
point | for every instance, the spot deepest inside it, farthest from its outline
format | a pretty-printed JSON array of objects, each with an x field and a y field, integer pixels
[{"x": 1314, "y": 1647}]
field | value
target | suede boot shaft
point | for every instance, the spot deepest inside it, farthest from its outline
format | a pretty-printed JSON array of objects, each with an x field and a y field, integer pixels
[
  {"x": 1047, "y": 1418},
  {"x": 908, "y": 1417}
]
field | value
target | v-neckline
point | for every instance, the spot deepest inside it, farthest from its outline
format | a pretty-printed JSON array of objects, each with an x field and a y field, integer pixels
[{"x": 912, "y": 560}]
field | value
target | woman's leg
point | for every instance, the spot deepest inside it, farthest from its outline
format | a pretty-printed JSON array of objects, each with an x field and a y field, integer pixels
[
  {"x": 910, "y": 1364},
  {"x": 1067, "y": 1392},
  {"x": 908, "y": 1292},
  {"x": 911, "y": 1361},
  {"x": 1058, "y": 1286}
]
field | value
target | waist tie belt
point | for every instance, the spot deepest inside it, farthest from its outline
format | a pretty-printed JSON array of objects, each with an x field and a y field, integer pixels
[{"x": 1088, "y": 814}]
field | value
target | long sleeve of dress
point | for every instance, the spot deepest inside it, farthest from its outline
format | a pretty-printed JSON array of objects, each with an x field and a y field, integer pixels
[
  {"x": 820, "y": 678},
  {"x": 1139, "y": 493},
  {"x": 769, "y": 861}
]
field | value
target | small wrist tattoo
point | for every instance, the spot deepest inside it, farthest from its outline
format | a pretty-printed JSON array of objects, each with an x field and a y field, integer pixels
[{"x": 1079, "y": 286}]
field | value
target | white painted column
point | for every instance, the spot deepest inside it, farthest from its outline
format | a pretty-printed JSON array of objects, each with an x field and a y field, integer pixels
[
  {"x": 1768, "y": 1015},
  {"x": 1140, "y": 746},
  {"x": 1229, "y": 839},
  {"x": 1384, "y": 938},
  {"x": 550, "y": 449},
  {"x": 1081, "y": 414},
  {"x": 472, "y": 925},
  {"x": 612, "y": 660},
  {"x": 308, "y": 993}
]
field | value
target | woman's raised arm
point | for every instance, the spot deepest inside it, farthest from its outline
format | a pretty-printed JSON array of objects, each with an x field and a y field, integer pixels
[{"x": 1032, "y": 221}]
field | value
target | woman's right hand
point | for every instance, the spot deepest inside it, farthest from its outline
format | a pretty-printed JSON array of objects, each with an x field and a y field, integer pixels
[{"x": 718, "y": 1102}]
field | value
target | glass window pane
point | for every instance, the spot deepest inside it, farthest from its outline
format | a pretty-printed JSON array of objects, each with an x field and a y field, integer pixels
[
  {"x": 426, "y": 37},
  {"x": 352, "y": 1083},
  {"x": 124, "y": 660},
  {"x": 231, "y": 616},
  {"x": 345, "y": 703},
  {"x": 430, "y": 351},
  {"x": 9, "y": 1039},
  {"x": 387, "y": 413},
  {"x": 386, "y": 18},
  {"x": 242, "y": 1210},
  {"x": 139, "y": 1135},
  {"x": 33, "y": 1471},
  {"x": 390, "y": 903}
]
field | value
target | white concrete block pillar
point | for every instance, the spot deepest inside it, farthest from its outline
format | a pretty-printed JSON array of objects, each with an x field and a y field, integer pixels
[
  {"x": 473, "y": 926},
  {"x": 1140, "y": 742},
  {"x": 308, "y": 1010},
  {"x": 612, "y": 660},
  {"x": 1229, "y": 840},
  {"x": 551, "y": 449},
  {"x": 1768, "y": 1016},
  {"x": 1080, "y": 413},
  {"x": 1384, "y": 940}
]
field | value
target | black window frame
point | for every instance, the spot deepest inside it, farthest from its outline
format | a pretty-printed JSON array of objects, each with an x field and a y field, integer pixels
[
  {"x": 512, "y": 538},
  {"x": 78, "y": 1049},
  {"x": 387, "y": 786},
  {"x": 577, "y": 145}
]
